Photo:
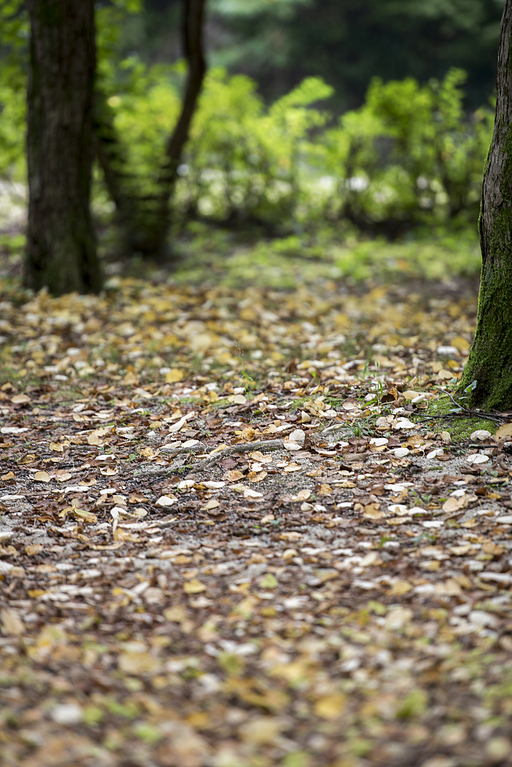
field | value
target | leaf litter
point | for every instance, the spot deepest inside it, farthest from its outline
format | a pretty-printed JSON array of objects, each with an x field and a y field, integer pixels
[{"x": 229, "y": 536}]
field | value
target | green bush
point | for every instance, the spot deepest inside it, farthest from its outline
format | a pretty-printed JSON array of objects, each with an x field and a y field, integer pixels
[{"x": 409, "y": 156}]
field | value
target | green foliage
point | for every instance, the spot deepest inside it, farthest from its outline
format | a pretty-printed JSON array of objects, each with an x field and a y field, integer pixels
[{"x": 408, "y": 157}]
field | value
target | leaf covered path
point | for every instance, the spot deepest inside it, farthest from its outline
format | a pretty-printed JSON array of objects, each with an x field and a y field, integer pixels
[{"x": 229, "y": 538}]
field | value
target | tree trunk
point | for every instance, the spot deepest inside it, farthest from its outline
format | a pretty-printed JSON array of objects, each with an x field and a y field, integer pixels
[
  {"x": 489, "y": 367},
  {"x": 145, "y": 221},
  {"x": 61, "y": 248}
]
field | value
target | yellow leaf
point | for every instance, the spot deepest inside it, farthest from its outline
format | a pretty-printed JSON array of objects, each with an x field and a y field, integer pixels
[
  {"x": 455, "y": 504},
  {"x": 248, "y": 434},
  {"x": 212, "y": 504},
  {"x": 493, "y": 548},
  {"x": 292, "y": 467},
  {"x": 460, "y": 343},
  {"x": 260, "y": 730},
  {"x": 32, "y": 550},
  {"x": 400, "y": 587},
  {"x": 20, "y": 399},
  {"x": 11, "y": 623},
  {"x": 446, "y": 375},
  {"x": 174, "y": 375},
  {"x": 372, "y": 511},
  {"x": 108, "y": 471},
  {"x": 193, "y": 587},
  {"x": 134, "y": 662},
  {"x": 199, "y": 720},
  {"x": 330, "y": 706},
  {"x": 256, "y": 476},
  {"x": 325, "y": 490},
  {"x": 504, "y": 431},
  {"x": 124, "y": 535},
  {"x": 86, "y": 516},
  {"x": 56, "y": 447},
  {"x": 175, "y": 614},
  {"x": 233, "y": 475},
  {"x": 95, "y": 437},
  {"x": 130, "y": 379},
  {"x": 62, "y": 476},
  {"x": 269, "y": 581},
  {"x": 260, "y": 457},
  {"x": 8, "y": 476},
  {"x": 42, "y": 476},
  {"x": 409, "y": 394}
]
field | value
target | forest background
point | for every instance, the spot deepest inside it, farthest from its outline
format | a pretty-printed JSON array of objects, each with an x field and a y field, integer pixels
[{"x": 318, "y": 124}]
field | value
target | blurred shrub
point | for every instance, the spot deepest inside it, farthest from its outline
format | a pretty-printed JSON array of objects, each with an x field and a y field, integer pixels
[{"x": 410, "y": 156}]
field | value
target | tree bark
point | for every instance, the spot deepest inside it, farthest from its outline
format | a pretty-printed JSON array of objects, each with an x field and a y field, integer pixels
[
  {"x": 488, "y": 372},
  {"x": 145, "y": 221},
  {"x": 61, "y": 249}
]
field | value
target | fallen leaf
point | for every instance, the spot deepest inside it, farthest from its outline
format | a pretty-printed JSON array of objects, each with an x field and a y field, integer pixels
[
  {"x": 174, "y": 375},
  {"x": 330, "y": 706},
  {"x": 504, "y": 431},
  {"x": 42, "y": 476},
  {"x": 11, "y": 623},
  {"x": 193, "y": 586}
]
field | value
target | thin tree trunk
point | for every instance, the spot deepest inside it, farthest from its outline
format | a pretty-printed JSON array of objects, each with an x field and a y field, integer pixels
[
  {"x": 489, "y": 367},
  {"x": 61, "y": 249},
  {"x": 145, "y": 221}
]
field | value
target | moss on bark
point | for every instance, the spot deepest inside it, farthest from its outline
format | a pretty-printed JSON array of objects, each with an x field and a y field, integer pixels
[{"x": 489, "y": 364}]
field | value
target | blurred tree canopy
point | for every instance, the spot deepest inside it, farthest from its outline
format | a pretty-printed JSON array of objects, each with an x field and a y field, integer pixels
[{"x": 345, "y": 42}]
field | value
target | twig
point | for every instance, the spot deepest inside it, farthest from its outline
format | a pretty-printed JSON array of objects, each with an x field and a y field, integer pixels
[
  {"x": 242, "y": 447},
  {"x": 466, "y": 412}
]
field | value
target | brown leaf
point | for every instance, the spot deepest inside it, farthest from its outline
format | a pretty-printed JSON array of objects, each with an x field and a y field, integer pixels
[
  {"x": 33, "y": 549},
  {"x": 11, "y": 623}
]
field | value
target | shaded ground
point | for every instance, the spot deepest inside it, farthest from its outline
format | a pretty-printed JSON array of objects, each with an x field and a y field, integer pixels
[{"x": 331, "y": 588}]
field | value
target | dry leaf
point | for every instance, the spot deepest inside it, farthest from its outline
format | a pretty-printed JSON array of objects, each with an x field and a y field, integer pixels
[
  {"x": 33, "y": 549},
  {"x": 42, "y": 476},
  {"x": 20, "y": 399},
  {"x": 194, "y": 586},
  {"x": 248, "y": 434},
  {"x": 174, "y": 375},
  {"x": 11, "y": 623},
  {"x": 372, "y": 511},
  {"x": 330, "y": 706}
]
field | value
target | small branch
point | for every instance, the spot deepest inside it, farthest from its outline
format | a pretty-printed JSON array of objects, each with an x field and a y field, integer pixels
[
  {"x": 264, "y": 446},
  {"x": 465, "y": 412},
  {"x": 243, "y": 447}
]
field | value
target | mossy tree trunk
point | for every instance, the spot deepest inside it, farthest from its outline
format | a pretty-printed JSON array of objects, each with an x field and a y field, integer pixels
[
  {"x": 145, "y": 220},
  {"x": 489, "y": 366},
  {"x": 61, "y": 249}
]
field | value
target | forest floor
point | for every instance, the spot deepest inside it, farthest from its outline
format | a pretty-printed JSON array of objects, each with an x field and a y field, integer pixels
[{"x": 233, "y": 535}]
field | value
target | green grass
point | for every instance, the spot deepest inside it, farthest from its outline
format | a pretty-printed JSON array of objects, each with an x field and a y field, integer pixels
[
  {"x": 224, "y": 259},
  {"x": 460, "y": 427}
]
